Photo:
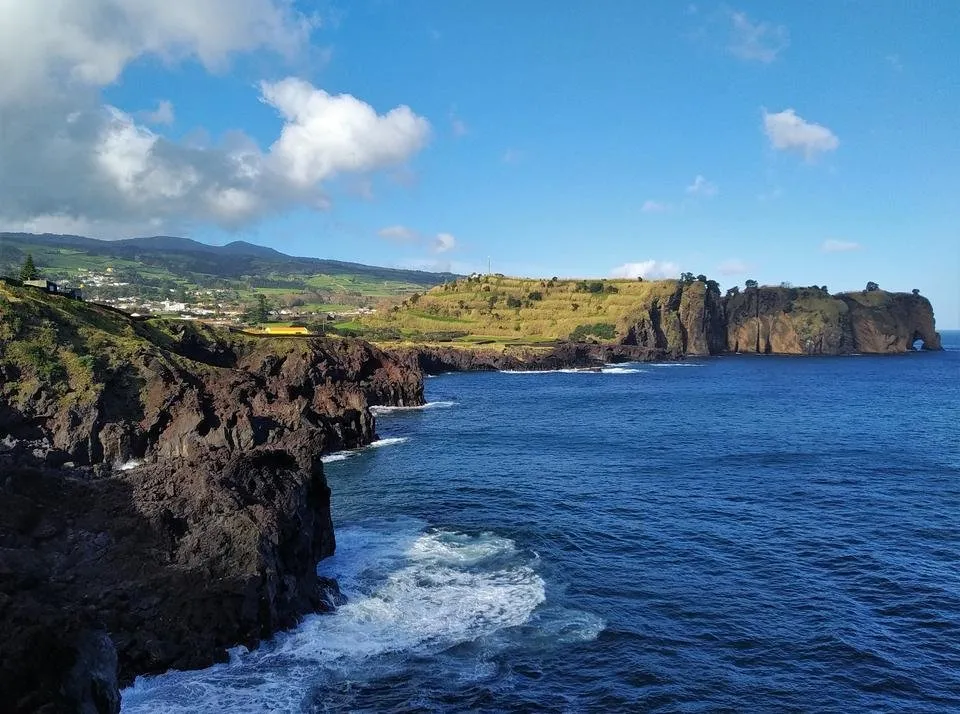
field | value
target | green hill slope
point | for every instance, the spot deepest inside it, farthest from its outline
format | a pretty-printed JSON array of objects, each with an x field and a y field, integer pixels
[{"x": 157, "y": 266}]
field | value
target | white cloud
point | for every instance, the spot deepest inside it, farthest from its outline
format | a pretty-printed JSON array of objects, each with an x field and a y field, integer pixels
[
  {"x": 401, "y": 234},
  {"x": 702, "y": 187},
  {"x": 70, "y": 160},
  {"x": 163, "y": 114},
  {"x": 788, "y": 131},
  {"x": 651, "y": 206},
  {"x": 646, "y": 269},
  {"x": 838, "y": 246},
  {"x": 756, "y": 41},
  {"x": 733, "y": 266},
  {"x": 444, "y": 242},
  {"x": 325, "y": 135},
  {"x": 56, "y": 45}
]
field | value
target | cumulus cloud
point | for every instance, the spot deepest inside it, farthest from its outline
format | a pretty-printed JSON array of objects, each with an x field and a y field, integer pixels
[
  {"x": 325, "y": 135},
  {"x": 832, "y": 245},
  {"x": 163, "y": 114},
  {"x": 646, "y": 269},
  {"x": 756, "y": 41},
  {"x": 788, "y": 131},
  {"x": 733, "y": 266},
  {"x": 70, "y": 160},
  {"x": 444, "y": 242},
  {"x": 56, "y": 45},
  {"x": 702, "y": 187},
  {"x": 651, "y": 206}
]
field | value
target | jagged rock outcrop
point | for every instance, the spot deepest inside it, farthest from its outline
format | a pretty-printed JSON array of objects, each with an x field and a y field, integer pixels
[
  {"x": 163, "y": 497},
  {"x": 566, "y": 355},
  {"x": 883, "y": 323},
  {"x": 810, "y": 321}
]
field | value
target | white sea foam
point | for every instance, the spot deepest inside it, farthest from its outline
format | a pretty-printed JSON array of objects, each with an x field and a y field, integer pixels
[
  {"x": 676, "y": 364},
  {"x": 129, "y": 465},
  {"x": 350, "y": 453},
  {"x": 392, "y": 441},
  {"x": 377, "y": 411},
  {"x": 607, "y": 369},
  {"x": 409, "y": 590},
  {"x": 579, "y": 370}
]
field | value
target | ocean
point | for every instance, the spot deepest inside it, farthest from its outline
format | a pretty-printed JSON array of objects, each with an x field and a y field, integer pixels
[{"x": 733, "y": 534}]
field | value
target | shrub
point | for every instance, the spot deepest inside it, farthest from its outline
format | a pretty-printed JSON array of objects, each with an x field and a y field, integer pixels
[
  {"x": 535, "y": 295},
  {"x": 601, "y": 330}
]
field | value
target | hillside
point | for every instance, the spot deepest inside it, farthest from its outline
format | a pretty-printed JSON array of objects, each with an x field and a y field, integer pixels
[
  {"x": 679, "y": 318},
  {"x": 494, "y": 308},
  {"x": 164, "y": 267}
]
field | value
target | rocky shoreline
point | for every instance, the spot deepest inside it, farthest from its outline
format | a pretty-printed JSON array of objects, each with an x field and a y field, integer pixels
[{"x": 170, "y": 502}]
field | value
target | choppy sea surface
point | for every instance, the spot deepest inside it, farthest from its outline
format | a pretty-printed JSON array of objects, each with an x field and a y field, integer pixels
[{"x": 735, "y": 534}]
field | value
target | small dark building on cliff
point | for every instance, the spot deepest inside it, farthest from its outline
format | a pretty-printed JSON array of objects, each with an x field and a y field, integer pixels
[{"x": 48, "y": 286}]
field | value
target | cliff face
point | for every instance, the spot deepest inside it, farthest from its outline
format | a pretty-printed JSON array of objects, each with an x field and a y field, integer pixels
[
  {"x": 689, "y": 322},
  {"x": 209, "y": 534},
  {"x": 809, "y": 321},
  {"x": 890, "y": 322}
]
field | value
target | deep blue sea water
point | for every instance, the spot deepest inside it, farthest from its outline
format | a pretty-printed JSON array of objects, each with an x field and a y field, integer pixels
[{"x": 737, "y": 534}]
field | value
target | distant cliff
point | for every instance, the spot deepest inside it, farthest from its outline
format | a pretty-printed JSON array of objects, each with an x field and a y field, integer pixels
[
  {"x": 810, "y": 321},
  {"x": 663, "y": 318},
  {"x": 696, "y": 321}
]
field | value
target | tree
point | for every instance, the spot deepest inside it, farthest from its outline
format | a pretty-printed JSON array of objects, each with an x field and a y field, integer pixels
[
  {"x": 29, "y": 270},
  {"x": 751, "y": 284},
  {"x": 261, "y": 312},
  {"x": 872, "y": 287},
  {"x": 686, "y": 278},
  {"x": 916, "y": 291},
  {"x": 702, "y": 278},
  {"x": 735, "y": 290},
  {"x": 824, "y": 288}
]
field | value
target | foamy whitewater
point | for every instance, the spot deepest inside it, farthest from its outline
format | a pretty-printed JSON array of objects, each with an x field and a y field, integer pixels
[{"x": 412, "y": 590}]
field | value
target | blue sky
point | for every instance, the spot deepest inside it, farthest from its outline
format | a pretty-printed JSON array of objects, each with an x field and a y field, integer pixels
[{"x": 810, "y": 143}]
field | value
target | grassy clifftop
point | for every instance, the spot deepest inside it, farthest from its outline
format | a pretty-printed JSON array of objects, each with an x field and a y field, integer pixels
[{"x": 494, "y": 308}]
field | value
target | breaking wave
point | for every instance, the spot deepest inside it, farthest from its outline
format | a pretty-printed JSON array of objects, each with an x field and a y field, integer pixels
[
  {"x": 349, "y": 453},
  {"x": 411, "y": 591}
]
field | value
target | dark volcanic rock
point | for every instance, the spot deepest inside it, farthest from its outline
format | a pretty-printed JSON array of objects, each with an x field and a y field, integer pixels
[
  {"x": 107, "y": 572},
  {"x": 566, "y": 355},
  {"x": 176, "y": 560}
]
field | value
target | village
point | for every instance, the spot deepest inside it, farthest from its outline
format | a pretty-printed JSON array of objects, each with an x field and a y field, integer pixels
[{"x": 215, "y": 306}]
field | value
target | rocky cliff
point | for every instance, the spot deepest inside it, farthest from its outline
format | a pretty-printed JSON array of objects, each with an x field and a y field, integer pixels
[
  {"x": 687, "y": 322},
  {"x": 162, "y": 489},
  {"x": 810, "y": 321}
]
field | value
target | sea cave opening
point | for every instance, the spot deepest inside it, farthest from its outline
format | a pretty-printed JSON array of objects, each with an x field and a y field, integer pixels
[{"x": 918, "y": 344}]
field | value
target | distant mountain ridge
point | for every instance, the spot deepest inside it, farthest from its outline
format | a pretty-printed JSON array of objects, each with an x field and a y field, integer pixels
[{"x": 234, "y": 260}]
